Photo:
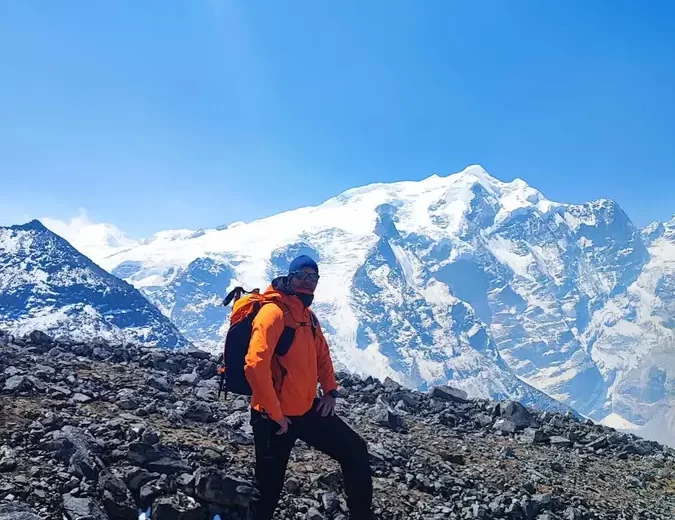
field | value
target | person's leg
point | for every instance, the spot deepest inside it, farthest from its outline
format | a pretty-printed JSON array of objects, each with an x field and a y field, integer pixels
[
  {"x": 335, "y": 438},
  {"x": 271, "y": 458}
]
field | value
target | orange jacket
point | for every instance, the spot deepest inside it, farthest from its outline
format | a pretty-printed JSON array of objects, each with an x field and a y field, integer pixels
[{"x": 286, "y": 385}]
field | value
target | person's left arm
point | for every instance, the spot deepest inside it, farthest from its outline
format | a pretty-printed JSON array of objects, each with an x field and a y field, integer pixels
[
  {"x": 326, "y": 375},
  {"x": 325, "y": 364}
]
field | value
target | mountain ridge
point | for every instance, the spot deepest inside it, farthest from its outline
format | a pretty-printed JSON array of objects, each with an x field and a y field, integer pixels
[{"x": 538, "y": 275}]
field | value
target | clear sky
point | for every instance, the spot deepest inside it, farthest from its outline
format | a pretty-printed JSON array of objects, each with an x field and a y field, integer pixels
[{"x": 157, "y": 114}]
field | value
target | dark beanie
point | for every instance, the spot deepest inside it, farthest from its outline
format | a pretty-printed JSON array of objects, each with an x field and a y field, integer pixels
[{"x": 301, "y": 262}]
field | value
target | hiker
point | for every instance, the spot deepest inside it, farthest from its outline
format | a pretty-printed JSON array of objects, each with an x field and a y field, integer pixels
[{"x": 284, "y": 403}]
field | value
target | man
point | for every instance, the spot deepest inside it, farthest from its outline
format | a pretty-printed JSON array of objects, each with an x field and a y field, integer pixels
[{"x": 284, "y": 403}]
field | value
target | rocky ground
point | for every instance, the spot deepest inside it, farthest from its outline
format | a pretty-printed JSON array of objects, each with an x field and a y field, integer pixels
[{"x": 96, "y": 432}]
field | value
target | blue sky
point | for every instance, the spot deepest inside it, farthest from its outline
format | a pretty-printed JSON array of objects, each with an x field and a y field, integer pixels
[{"x": 155, "y": 115}]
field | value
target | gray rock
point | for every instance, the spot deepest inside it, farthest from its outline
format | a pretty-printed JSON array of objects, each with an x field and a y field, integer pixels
[
  {"x": 200, "y": 412},
  {"x": 151, "y": 490},
  {"x": 17, "y": 384},
  {"x": 7, "y": 464},
  {"x": 117, "y": 499},
  {"x": 505, "y": 425},
  {"x": 447, "y": 393},
  {"x": 59, "y": 392},
  {"x": 544, "y": 500},
  {"x": 135, "y": 478},
  {"x": 178, "y": 507},
  {"x": 562, "y": 442},
  {"x": 601, "y": 442},
  {"x": 17, "y": 511},
  {"x": 314, "y": 514},
  {"x": 158, "y": 383},
  {"x": 385, "y": 416},
  {"x": 390, "y": 384},
  {"x": 40, "y": 338},
  {"x": 213, "y": 455},
  {"x": 292, "y": 485},
  {"x": 240, "y": 438},
  {"x": 80, "y": 398},
  {"x": 199, "y": 354},
  {"x": 190, "y": 379},
  {"x": 142, "y": 453},
  {"x": 168, "y": 466},
  {"x": 69, "y": 439},
  {"x": 454, "y": 458},
  {"x": 83, "y": 465},
  {"x": 213, "y": 486},
  {"x": 207, "y": 370},
  {"x": 236, "y": 420},
  {"x": 13, "y": 371},
  {"x": 150, "y": 437},
  {"x": 128, "y": 403},
  {"x": 55, "y": 352},
  {"x": 207, "y": 393},
  {"x": 157, "y": 458},
  {"x": 534, "y": 436},
  {"x": 514, "y": 412},
  {"x": 84, "y": 508},
  {"x": 127, "y": 399},
  {"x": 572, "y": 514},
  {"x": 483, "y": 419},
  {"x": 330, "y": 502},
  {"x": 101, "y": 353}
]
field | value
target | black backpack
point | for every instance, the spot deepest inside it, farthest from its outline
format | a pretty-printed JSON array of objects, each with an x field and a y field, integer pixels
[{"x": 246, "y": 306}]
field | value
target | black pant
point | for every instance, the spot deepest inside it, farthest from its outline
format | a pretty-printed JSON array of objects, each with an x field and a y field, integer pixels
[{"x": 332, "y": 436}]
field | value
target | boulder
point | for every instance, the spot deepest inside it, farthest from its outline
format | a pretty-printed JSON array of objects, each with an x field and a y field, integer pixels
[
  {"x": 448, "y": 393},
  {"x": 215, "y": 487}
]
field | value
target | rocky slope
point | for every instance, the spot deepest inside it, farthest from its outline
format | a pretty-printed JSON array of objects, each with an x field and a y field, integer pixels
[
  {"x": 436, "y": 281},
  {"x": 47, "y": 284},
  {"x": 97, "y": 431}
]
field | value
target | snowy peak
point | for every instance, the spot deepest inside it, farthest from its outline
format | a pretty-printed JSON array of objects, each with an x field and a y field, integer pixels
[
  {"x": 46, "y": 284},
  {"x": 669, "y": 229},
  {"x": 658, "y": 229},
  {"x": 33, "y": 225},
  {"x": 653, "y": 231},
  {"x": 96, "y": 240}
]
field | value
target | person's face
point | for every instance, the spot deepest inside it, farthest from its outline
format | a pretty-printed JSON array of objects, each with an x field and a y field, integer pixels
[{"x": 304, "y": 281}]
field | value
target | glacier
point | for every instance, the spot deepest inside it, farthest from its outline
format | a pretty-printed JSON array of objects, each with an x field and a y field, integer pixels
[{"x": 461, "y": 278}]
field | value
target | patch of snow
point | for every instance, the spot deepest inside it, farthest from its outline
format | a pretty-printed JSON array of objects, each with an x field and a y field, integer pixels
[
  {"x": 502, "y": 249},
  {"x": 614, "y": 420}
]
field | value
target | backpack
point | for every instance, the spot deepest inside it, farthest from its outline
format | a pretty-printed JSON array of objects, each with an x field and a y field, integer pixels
[{"x": 245, "y": 308}]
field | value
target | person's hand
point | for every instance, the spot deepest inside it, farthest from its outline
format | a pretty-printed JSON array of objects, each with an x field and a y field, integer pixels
[
  {"x": 326, "y": 406},
  {"x": 283, "y": 425}
]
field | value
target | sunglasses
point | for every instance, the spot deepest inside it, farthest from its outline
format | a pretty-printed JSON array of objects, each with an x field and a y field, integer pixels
[{"x": 303, "y": 276}]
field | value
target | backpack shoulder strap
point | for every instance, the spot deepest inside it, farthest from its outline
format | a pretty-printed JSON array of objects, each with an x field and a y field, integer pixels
[{"x": 314, "y": 322}]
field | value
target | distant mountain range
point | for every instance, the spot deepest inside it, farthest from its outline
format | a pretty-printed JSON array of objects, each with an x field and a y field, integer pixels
[{"x": 464, "y": 279}]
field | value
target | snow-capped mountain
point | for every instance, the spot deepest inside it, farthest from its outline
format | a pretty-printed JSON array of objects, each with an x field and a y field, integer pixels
[
  {"x": 46, "y": 284},
  {"x": 632, "y": 341},
  {"x": 97, "y": 239},
  {"x": 461, "y": 278}
]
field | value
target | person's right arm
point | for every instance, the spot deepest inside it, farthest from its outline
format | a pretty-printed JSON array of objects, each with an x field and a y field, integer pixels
[{"x": 267, "y": 328}]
